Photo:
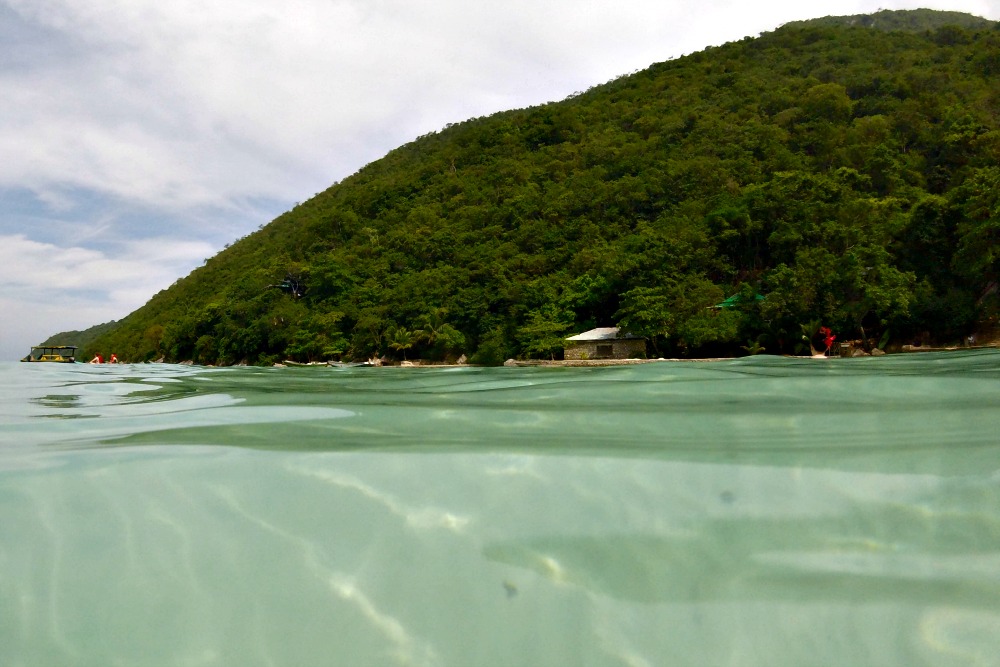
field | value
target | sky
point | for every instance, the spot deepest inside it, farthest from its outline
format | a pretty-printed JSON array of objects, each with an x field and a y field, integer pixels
[{"x": 139, "y": 137}]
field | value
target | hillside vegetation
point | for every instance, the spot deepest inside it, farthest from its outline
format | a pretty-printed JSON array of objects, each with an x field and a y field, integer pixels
[
  {"x": 81, "y": 338},
  {"x": 850, "y": 176},
  {"x": 912, "y": 20}
]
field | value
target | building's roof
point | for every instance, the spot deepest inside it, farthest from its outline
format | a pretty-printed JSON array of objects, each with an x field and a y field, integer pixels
[
  {"x": 737, "y": 300},
  {"x": 601, "y": 333}
]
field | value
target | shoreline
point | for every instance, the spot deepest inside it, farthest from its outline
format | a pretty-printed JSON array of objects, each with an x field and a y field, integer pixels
[
  {"x": 603, "y": 362},
  {"x": 582, "y": 363}
]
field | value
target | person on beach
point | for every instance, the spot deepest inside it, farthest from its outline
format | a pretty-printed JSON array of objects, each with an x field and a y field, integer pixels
[
  {"x": 821, "y": 342},
  {"x": 828, "y": 338}
]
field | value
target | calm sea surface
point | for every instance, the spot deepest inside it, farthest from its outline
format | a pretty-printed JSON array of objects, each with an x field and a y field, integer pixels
[{"x": 762, "y": 511}]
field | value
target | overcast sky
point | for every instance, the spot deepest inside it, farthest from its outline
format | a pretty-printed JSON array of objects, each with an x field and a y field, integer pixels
[{"x": 138, "y": 137}]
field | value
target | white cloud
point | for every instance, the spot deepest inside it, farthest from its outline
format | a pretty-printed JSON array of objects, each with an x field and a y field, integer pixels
[
  {"x": 45, "y": 288},
  {"x": 27, "y": 264}
]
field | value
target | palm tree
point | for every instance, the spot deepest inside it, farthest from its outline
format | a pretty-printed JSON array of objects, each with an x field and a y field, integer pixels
[{"x": 400, "y": 339}]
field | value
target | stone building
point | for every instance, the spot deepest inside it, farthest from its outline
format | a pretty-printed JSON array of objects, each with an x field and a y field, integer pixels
[{"x": 604, "y": 343}]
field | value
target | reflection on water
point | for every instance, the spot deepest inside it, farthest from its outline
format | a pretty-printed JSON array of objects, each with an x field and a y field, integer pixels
[{"x": 759, "y": 511}]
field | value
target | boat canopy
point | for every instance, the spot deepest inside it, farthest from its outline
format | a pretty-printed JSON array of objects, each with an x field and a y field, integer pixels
[{"x": 57, "y": 353}]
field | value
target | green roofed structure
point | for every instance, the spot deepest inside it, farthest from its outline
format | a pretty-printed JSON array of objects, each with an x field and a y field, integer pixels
[{"x": 737, "y": 300}]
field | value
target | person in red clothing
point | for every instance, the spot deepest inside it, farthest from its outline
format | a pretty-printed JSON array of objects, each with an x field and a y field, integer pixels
[
  {"x": 822, "y": 341},
  {"x": 98, "y": 359},
  {"x": 113, "y": 359},
  {"x": 828, "y": 338}
]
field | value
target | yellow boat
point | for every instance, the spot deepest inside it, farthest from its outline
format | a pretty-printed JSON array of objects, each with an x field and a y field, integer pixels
[{"x": 65, "y": 354}]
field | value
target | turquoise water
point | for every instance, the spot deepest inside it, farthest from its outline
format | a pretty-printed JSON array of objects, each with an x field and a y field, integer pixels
[{"x": 762, "y": 511}]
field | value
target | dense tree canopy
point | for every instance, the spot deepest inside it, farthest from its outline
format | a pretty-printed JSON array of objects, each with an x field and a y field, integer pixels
[{"x": 848, "y": 175}]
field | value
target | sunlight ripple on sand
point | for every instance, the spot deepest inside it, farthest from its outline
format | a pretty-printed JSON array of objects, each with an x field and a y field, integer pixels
[{"x": 419, "y": 517}]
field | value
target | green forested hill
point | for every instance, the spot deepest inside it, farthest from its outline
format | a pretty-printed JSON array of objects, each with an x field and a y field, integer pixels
[
  {"x": 849, "y": 175},
  {"x": 81, "y": 338},
  {"x": 912, "y": 20}
]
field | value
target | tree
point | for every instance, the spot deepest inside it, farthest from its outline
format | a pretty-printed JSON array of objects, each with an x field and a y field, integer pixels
[
  {"x": 544, "y": 333},
  {"x": 979, "y": 233},
  {"x": 440, "y": 337},
  {"x": 646, "y": 312},
  {"x": 400, "y": 339}
]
